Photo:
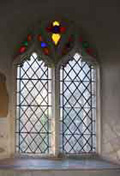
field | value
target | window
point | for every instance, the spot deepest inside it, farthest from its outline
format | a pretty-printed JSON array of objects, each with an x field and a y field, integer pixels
[
  {"x": 77, "y": 107},
  {"x": 56, "y": 98},
  {"x": 33, "y": 107}
]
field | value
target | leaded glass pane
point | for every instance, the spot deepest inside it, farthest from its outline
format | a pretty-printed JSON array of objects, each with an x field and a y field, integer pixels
[
  {"x": 77, "y": 107},
  {"x": 33, "y": 111}
]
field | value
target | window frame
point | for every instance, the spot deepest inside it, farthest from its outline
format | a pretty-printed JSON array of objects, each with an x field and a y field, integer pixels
[{"x": 56, "y": 113}]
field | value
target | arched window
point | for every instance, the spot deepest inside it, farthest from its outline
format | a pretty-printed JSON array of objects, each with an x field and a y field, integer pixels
[
  {"x": 56, "y": 93},
  {"x": 78, "y": 107},
  {"x": 33, "y": 116}
]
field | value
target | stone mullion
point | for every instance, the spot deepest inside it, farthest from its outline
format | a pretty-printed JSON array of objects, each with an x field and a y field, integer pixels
[{"x": 55, "y": 104}]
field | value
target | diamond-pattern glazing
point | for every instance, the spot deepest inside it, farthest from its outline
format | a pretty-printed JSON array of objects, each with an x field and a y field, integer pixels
[
  {"x": 33, "y": 107},
  {"x": 77, "y": 107}
]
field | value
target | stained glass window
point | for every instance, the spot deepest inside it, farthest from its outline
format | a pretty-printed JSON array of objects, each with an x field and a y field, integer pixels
[
  {"x": 38, "y": 83},
  {"x": 56, "y": 31}
]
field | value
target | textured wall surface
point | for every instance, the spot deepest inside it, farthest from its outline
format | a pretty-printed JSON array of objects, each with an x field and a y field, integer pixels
[
  {"x": 59, "y": 173},
  {"x": 99, "y": 21},
  {"x": 3, "y": 138},
  {"x": 4, "y": 100},
  {"x": 111, "y": 109}
]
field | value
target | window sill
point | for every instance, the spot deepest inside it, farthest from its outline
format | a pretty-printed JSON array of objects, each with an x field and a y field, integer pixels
[{"x": 30, "y": 163}]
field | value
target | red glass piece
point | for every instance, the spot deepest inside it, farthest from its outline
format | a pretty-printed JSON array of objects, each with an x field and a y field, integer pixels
[
  {"x": 90, "y": 51},
  {"x": 80, "y": 39},
  {"x": 70, "y": 39},
  {"x": 29, "y": 37},
  {"x": 46, "y": 51},
  {"x": 39, "y": 38},
  {"x": 48, "y": 29},
  {"x": 22, "y": 49},
  {"x": 62, "y": 29}
]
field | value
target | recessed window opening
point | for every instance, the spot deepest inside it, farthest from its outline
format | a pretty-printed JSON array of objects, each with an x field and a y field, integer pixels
[
  {"x": 56, "y": 92},
  {"x": 33, "y": 110},
  {"x": 77, "y": 107}
]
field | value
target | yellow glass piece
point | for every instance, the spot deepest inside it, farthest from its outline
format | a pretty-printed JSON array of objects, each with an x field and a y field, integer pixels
[
  {"x": 56, "y": 23},
  {"x": 56, "y": 38}
]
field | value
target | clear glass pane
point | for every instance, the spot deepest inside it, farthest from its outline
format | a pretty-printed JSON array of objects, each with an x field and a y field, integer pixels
[
  {"x": 33, "y": 112},
  {"x": 77, "y": 107}
]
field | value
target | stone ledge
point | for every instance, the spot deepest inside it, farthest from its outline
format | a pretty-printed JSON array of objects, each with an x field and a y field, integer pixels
[{"x": 56, "y": 164}]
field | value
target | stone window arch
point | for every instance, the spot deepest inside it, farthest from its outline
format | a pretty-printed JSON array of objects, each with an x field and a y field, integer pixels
[{"x": 57, "y": 55}]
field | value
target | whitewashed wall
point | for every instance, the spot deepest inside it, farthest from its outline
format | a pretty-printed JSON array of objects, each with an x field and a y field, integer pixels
[{"x": 100, "y": 22}]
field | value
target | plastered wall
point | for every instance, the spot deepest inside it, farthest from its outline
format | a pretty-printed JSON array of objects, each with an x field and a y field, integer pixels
[
  {"x": 99, "y": 21},
  {"x": 5, "y": 114},
  {"x": 110, "y": 102}
]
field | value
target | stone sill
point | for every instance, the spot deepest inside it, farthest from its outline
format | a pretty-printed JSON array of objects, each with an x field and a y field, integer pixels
[{"x": 72, "y": 163}]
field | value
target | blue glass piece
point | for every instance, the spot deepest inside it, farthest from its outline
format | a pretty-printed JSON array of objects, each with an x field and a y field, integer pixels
[
  {"x": 43, "y": 45},
  {"x": 56, "y": 29}
]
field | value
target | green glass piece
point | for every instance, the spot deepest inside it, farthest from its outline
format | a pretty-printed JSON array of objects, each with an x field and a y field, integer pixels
[
  {"x": 85, "y": 44},
  {"x": 25, "y": 43},
  {"x": 83, "y": 53}
]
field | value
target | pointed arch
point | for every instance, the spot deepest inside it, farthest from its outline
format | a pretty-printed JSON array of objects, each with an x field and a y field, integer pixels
[
  {"x": 53, "y": 57},
  {"x": 33, "y": 108},
  {"x": 78, "y": 106},
  {"x": 69, "y": 41}
]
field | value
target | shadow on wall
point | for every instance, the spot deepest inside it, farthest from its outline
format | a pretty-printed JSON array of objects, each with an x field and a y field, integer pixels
[{"x": 3, "y": 96}]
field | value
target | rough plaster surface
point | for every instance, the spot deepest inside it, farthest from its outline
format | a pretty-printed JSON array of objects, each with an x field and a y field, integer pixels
[
  {"x": 111, "y": 110},
  {"x": 4, "y": 100},
  {"x": 59, "y": 173},
  {"x": 3, "y": 138}
]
